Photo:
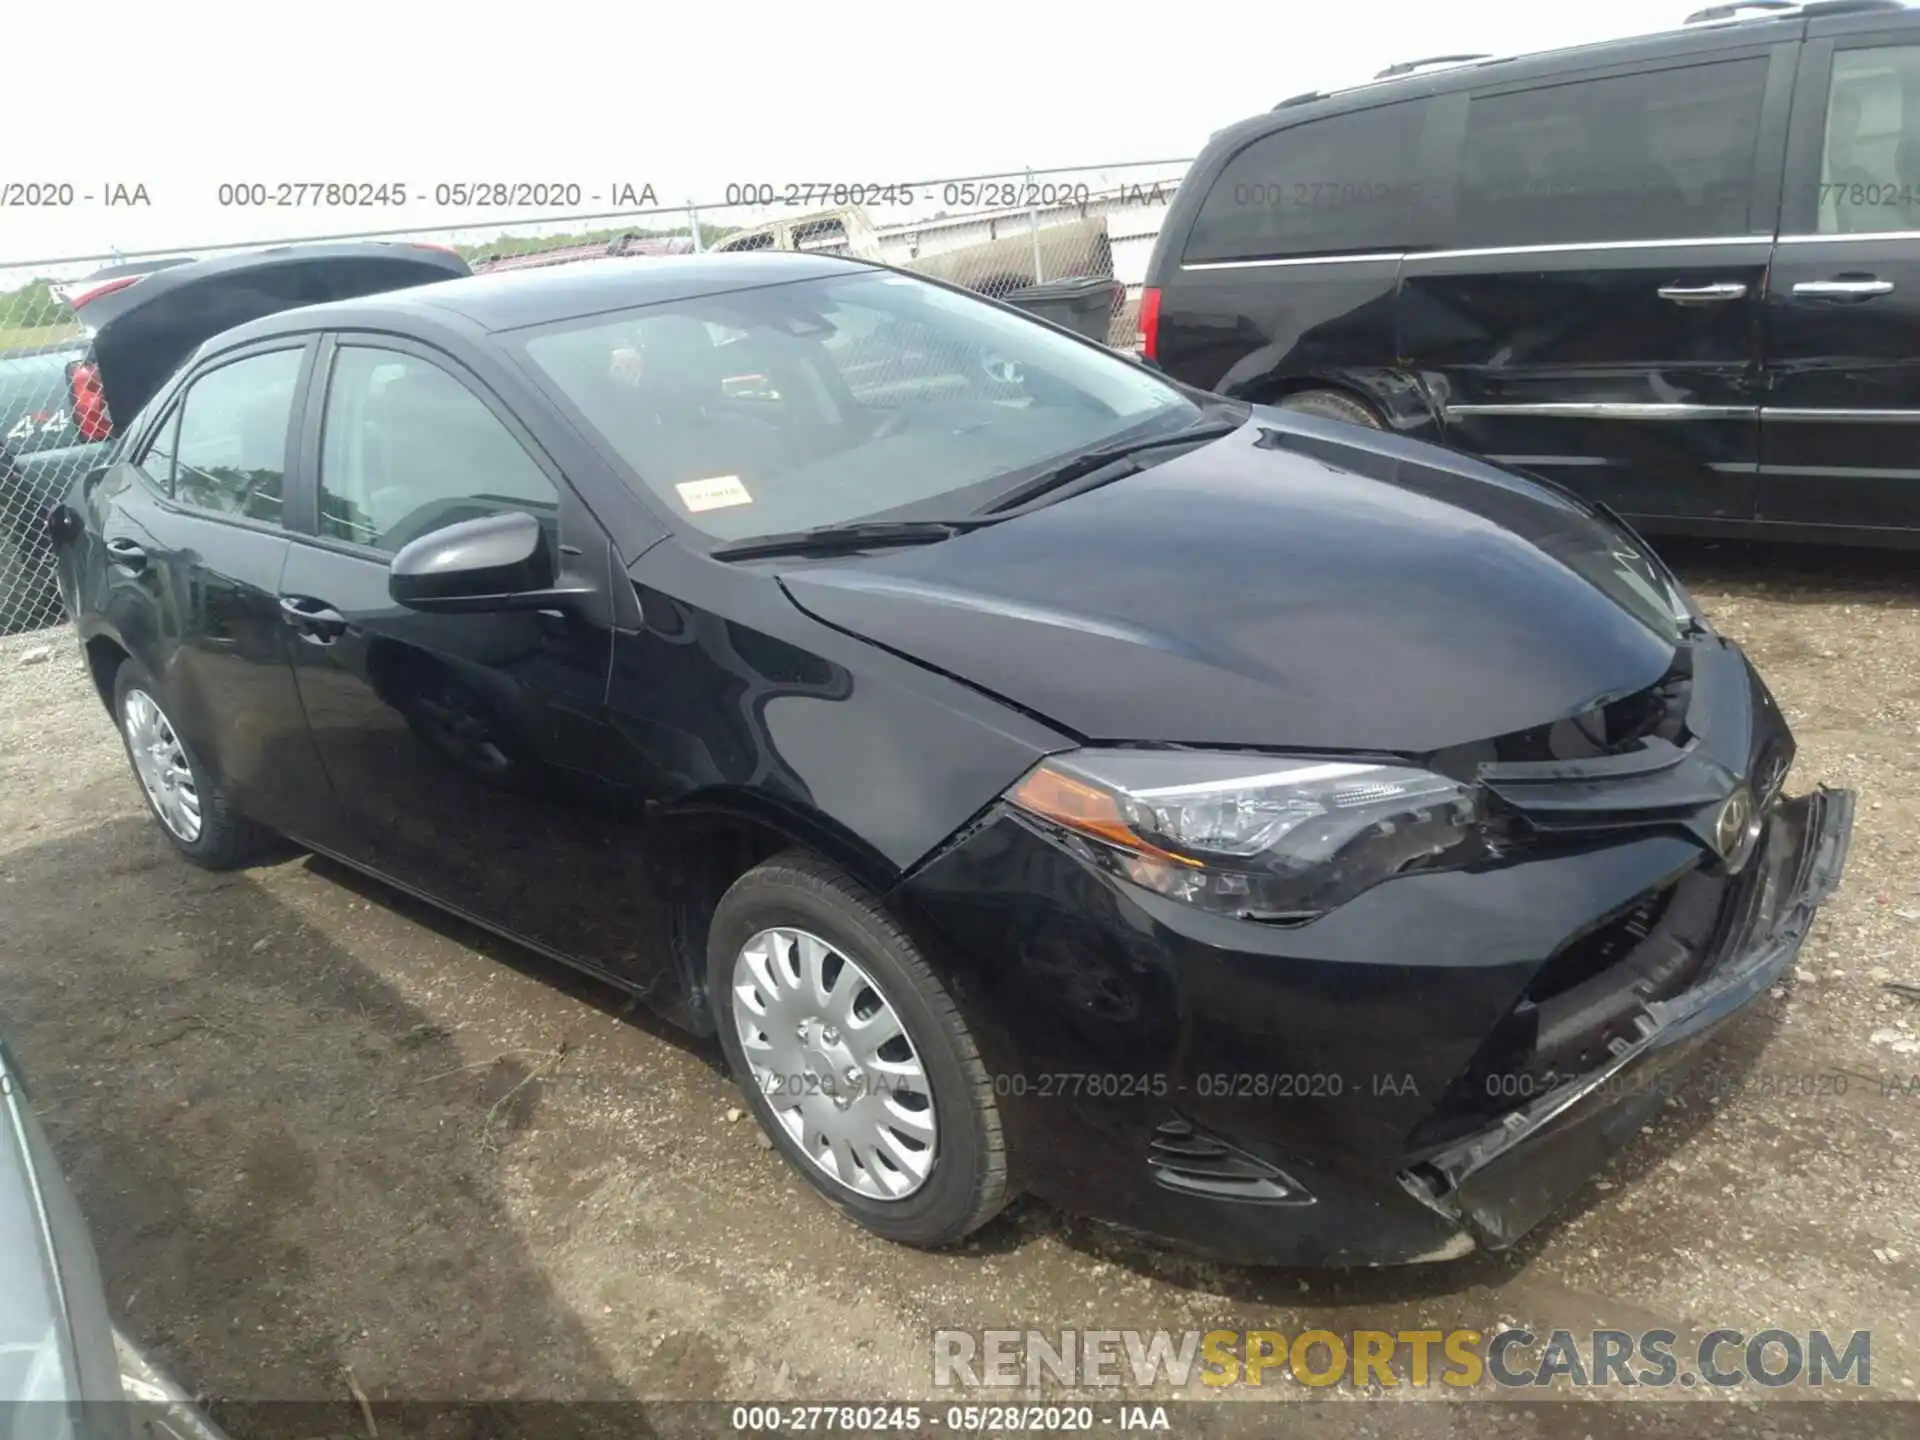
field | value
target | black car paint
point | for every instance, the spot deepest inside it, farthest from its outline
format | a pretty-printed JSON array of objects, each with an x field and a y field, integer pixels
[
  {"x": 1343, "y": 611},
  {"x": 682, "y": 696},
  {"x": 1426, "y": 329}
]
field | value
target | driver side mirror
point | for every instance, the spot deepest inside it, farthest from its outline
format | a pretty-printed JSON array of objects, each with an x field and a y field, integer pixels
[{"x": 498, "y": 562}]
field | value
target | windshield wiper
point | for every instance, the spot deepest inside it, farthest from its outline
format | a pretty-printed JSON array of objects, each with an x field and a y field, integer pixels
[
  {"x": 833, "y": 539},
  {"x": 1083, "y": 466}
]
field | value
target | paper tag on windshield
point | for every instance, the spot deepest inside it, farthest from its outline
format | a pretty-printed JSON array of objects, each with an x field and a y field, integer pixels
[{"x": 714, "y": 493}]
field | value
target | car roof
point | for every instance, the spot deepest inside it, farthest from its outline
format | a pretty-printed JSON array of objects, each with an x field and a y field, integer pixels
[
  {"x": 516, "y": 299},
  {"x": 1745, "y": 28}
]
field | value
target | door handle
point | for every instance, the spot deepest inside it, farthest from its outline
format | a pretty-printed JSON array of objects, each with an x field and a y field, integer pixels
[
  {"x": 126, "y": 554},
  {"x": 1704, "y": 294},
  {"x": 316, "y": 621},
  {"x": 1843, "y": 289}
]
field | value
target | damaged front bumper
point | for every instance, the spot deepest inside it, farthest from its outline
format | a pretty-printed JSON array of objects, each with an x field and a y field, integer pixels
[
  {"x": 1501, "y": 1181},
  {"x": 1434, "y": 1065}
]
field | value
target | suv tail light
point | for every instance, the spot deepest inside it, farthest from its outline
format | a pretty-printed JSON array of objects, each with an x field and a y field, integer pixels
[
  {"x": 89, "y": 401},
  {"x": 1150, "y": 322}
]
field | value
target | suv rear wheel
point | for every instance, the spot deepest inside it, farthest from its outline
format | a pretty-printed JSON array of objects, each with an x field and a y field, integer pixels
[{"x": 1332, "y": 405}]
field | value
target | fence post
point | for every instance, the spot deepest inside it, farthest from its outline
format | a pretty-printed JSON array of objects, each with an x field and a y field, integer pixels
[
  {"x": 1033, "y": 228},
  {"x": 693, "y": 225}
]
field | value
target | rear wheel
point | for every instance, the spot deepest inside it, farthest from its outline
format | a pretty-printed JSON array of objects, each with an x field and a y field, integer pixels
[
  {"x": 1333, "y": 405},
  {"x": 190, "y": 804},
  {"x": 853, "y": 1056}
]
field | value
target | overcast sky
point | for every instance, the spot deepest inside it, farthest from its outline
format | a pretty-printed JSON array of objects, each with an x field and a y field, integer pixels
[{"x": 686, "y": 97}]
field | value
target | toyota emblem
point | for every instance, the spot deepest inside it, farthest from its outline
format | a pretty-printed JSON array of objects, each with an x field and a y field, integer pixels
[{"x": 1736, "y": 828}]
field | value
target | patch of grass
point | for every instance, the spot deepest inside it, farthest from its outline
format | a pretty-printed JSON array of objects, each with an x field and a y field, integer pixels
[{"x": 26, "y": 337}]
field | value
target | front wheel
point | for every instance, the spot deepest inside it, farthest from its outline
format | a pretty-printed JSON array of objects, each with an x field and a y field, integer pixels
[
  {"x": 189, "y": 802},
  {"x": 853, "y": 1056}
]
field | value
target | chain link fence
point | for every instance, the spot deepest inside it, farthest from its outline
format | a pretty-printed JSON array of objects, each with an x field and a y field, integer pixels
[{"x": 1069, "y": 244}]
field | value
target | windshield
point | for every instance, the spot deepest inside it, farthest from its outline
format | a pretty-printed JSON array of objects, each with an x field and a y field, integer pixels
[{"x": 823, "y": 402}]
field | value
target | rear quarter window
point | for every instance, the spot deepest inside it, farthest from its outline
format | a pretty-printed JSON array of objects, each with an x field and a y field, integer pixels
[{"x": 1345, "y": 184}]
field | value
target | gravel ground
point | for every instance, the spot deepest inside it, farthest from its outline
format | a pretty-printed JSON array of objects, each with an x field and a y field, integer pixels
[{"x": 324, "y": 1134}]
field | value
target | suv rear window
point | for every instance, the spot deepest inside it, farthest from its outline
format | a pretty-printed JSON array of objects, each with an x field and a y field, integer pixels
[
  {"x": 1346, "y": 183},
  {"x": 1661, "y": 154}
]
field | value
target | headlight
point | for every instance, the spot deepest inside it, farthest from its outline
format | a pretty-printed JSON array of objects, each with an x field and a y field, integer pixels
[{"x": 1252, "y": 836}]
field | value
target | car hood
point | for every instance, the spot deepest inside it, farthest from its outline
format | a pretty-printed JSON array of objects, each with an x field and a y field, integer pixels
[
  {"x": 1299, "y": 583},
  {"x": 145, "y": 329}
]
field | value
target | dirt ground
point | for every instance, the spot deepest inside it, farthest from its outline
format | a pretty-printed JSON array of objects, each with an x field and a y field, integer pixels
[{"x": 321, "y": 1130}]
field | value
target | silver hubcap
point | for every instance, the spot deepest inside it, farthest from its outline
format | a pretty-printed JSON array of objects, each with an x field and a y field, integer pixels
[
  {"x": 160, "y": 760},
  {"x": 835, "y": 1063}
]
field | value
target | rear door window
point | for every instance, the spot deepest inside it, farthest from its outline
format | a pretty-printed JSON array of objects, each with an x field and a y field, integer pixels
[
  {"x": 1660, "y": 154},
  {"x": 225, "y": 446},
  {"x": 1870, "y": 164},
  {"x": 1346, "y": 184}
]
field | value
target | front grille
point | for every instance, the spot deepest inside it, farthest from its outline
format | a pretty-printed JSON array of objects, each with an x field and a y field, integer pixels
[
  {"x": 1184, "y": 1157},
  {"x": 1606, "y": 947}
]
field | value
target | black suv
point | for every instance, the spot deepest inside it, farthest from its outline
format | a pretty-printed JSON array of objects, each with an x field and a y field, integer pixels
[{"x": 1678, "y": 273}]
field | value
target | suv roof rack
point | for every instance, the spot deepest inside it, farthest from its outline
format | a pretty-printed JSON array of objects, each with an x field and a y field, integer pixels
[
  {"x": 1714, "y": 14},
  {"x": 1408, "y": 67},
  {"x": 1732, "y": 12},
  {"x": 1849, "y": 7}
]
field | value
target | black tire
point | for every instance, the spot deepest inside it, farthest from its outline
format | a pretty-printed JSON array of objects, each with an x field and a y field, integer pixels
[
  {"x": 969, "y": 1182},
  {"x": 1332, "y": 405},
  {"x": 227, "y": 838}
]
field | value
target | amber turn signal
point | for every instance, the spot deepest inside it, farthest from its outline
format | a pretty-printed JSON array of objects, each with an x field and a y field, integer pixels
[{"x": 1075, "y": 804}]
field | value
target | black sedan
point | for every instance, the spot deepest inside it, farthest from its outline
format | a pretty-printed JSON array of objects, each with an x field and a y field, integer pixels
[{"x": 1281, "y": 838}]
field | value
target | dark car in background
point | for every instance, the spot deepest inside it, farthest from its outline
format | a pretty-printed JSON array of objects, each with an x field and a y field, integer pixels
[
  {"x": 113, "y": 277},
  {"x": 1679, "y": 273},
  {"x": 56, "y": 413},
  {"x": 1299, "y": 843},
  {"x": 51, "y": 427},
  {"x": 53, "y": 423}
]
